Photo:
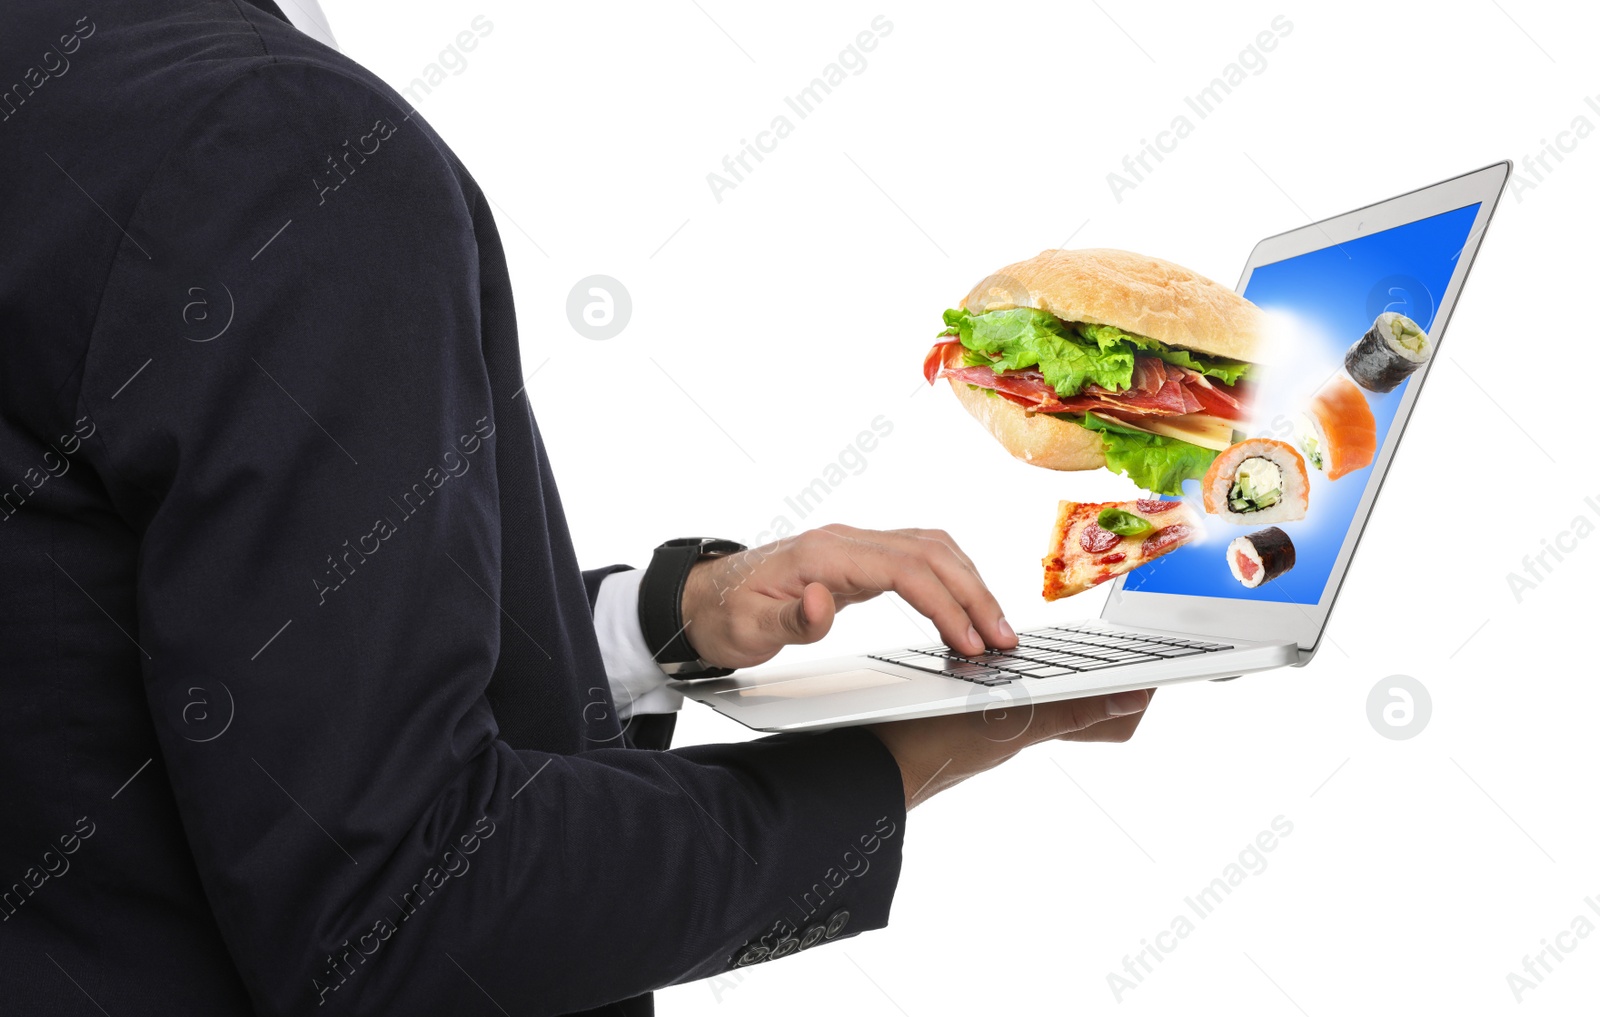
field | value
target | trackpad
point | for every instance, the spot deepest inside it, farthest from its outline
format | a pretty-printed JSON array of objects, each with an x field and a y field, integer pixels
[{"x": 792, "y": 689}]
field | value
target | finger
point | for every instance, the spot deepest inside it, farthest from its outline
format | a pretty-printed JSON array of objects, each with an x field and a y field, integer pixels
[
  {"x": 942, "y": 537},
  {"x": 1118, "y": 729},
  {"x": 1074, "y": 719},
  {"x": 954, "y": 573},
  {"x": 960, "y": 574},
  {"x": 915, "y": 581},
  {"x": 907, "y": 533},
  {"x": 1001, "y": 635},
  {"x": 962, "y": 580}
]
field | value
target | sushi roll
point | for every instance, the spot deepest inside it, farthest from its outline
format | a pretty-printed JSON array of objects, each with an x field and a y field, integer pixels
[
  {"x": 1259, "y": 480},
  {"x": 1391, "y": 351},
  {"x": 1337, "y": 432},
  {"x": 1260, "y": 557}
]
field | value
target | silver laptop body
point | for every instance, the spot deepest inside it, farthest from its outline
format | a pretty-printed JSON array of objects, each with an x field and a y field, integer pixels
[{"x": 1145, "y": 637}]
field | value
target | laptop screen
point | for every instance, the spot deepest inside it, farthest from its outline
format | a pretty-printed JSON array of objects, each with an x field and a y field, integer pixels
[{"x": 1321, "y": 303}]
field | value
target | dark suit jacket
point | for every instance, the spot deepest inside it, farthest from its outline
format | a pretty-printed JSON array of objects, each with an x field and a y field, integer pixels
[{"x": 301, "y": 707}]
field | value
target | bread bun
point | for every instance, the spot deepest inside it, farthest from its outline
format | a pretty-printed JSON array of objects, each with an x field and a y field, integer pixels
[
  {"x": 1040, "y": 439},
  {"x": 1134, "y": 292}
]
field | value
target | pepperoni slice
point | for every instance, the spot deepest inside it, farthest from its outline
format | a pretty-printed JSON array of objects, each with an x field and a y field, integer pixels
[
  {"x": 1094, "y": 539},
  {"x": 1111, "y": 559},
  {"x": 1165, "y": 539},
  {"x": 1151, "y": 507}
]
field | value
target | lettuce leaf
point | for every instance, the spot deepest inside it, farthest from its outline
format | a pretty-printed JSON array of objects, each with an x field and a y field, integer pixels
[
  {"x": 1156, "y": 463},
  {"x": 1023, "y": 337},
  {"x": 1070, "y": 355},
  {"x": 1226, "y": 371}
]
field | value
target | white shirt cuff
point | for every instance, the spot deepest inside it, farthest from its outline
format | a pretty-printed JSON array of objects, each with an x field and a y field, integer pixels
[{"x": 638, "y": 685}]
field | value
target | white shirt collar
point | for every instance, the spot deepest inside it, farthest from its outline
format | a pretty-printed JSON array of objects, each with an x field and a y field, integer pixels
[{"x": 308, "y": 17}]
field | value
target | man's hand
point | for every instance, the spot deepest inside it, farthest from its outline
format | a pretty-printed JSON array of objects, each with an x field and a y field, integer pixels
[
  {"x": 936, "y": 753},
  {"x": 740, "y": 610}
]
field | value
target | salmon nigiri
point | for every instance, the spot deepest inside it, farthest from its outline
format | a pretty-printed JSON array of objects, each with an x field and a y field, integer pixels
[{"x": 1338, "y": 432}]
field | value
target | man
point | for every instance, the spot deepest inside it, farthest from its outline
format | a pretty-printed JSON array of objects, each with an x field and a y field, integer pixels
[{"x": 303, "y": 702}]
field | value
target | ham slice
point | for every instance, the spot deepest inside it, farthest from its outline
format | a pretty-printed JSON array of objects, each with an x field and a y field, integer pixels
[
  {"x": 1228, "y": 402},
  {"x": 936, "y": 358},
  {"x": 1157, "y": 388}
]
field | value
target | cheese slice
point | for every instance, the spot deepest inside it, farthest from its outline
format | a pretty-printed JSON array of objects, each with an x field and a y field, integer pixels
[{"x": 1195, "y": 428}]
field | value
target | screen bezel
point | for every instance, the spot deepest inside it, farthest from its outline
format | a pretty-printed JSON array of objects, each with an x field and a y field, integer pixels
[{"x": 1303, "y": 623}]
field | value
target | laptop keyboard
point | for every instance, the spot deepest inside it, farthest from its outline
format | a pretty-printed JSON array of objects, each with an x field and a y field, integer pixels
[{"x": 1053, "y": 652}]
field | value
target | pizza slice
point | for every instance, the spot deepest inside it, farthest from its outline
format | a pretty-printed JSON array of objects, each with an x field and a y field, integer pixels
[{"x": 1096, "y": 541}]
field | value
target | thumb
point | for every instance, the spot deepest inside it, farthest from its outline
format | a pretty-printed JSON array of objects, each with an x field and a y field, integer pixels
[{"x": 807, "y": 618}]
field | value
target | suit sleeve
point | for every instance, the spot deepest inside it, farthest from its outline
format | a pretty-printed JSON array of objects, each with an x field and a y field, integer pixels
[{"x": 294, "y": 415}]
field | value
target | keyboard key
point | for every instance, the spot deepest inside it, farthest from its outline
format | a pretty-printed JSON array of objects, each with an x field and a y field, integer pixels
[
  {"x": 1008, "y": 666},
  {"x": 925, "y": 662},
  {"x": 1051, "y": 672},
  {"x": 1095, "y": 652}
]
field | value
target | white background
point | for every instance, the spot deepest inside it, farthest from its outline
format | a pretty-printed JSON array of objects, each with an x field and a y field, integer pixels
[{"x": 770, "y": 328}]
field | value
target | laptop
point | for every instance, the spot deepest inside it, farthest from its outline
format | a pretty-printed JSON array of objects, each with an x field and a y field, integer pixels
[{"x": 1184, "y": 617}]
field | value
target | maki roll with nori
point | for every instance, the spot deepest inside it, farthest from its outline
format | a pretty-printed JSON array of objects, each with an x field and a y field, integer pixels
[
  {"x": 1391, "y": 351},
  {"x": 1261, "y": 556},
  {"x": 1259, "y": 480}
]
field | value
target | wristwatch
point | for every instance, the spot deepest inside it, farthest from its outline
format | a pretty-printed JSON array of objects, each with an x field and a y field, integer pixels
[{"x": 661, "y": 604}]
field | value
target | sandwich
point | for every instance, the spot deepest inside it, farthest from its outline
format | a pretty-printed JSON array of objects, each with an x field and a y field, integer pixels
[{"x": 1076, "y": 360}]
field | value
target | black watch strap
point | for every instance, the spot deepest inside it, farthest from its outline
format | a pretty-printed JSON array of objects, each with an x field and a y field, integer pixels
[{"x": 661, "y": 604}]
